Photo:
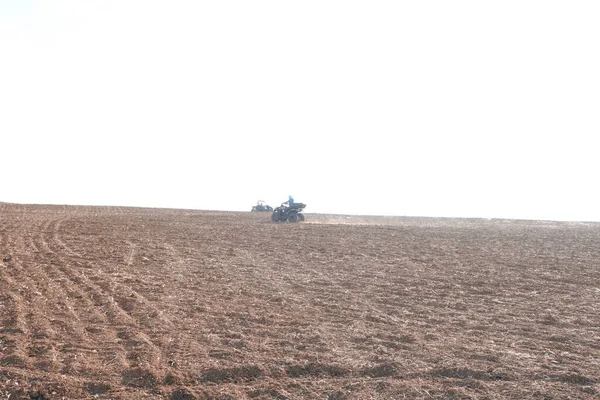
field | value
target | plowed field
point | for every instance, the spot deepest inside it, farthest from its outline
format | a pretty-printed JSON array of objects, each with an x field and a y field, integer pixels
[{"x": 125, "y": 303}]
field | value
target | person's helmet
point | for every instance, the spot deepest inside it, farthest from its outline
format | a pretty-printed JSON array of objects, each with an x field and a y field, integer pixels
[{"x": 290, "y": 197}]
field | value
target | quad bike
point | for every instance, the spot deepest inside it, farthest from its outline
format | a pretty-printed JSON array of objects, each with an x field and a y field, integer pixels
[
  {"x": 291, "y": 213},
  {"x": 261, "y": 206}
]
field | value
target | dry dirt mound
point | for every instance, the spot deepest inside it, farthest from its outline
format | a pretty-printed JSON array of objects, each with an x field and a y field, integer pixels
[{"x": 124, "y": 303}]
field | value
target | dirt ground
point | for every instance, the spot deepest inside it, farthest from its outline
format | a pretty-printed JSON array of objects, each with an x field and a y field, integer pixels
[{"x": 125, "y": 303}]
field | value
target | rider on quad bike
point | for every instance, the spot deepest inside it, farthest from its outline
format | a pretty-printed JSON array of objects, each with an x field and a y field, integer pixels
[
  {"x": 289, "y": 211},
  {"x": 290, "y": 201}
]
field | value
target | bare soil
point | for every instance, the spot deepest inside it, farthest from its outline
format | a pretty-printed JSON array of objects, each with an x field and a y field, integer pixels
[{"x": 126, "y": 303}]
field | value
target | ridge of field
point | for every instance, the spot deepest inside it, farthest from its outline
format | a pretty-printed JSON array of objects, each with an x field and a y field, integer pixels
[{"x": 137, "y": 303}]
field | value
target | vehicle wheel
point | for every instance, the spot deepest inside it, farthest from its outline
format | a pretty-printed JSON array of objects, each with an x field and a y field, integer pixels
[
  {"x": 275, "y": 216},
  {"x": 300, "y": 217},
  {"x": 293, "y": 217}
]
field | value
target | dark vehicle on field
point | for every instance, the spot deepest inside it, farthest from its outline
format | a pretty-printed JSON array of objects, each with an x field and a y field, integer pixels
[
  {"x": 261, "y": 206},
  {"x": 289, "y": 213}
]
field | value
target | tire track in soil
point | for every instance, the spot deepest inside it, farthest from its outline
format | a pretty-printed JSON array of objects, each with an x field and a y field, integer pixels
[
  {"x": 106, "y": 284},
  {"x": 56, "y": 238},
  {"x": 128, "y": 318},
  {"x": 17, "y": 306},
  {"x": 100, "y": 309},
  {"x": 56, "y": 344},
  {"x": 131, "y": 256},
  {"x": 45, "y": 334}
]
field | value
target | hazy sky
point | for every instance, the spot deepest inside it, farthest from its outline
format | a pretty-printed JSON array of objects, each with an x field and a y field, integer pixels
[{"x": 437, "y": 108}]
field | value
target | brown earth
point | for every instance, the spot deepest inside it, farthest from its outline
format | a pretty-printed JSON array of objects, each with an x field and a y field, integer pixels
[{"x": 125, "y": 303}]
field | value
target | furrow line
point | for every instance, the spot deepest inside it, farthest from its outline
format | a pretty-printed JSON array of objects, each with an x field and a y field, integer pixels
[{"x": 114, "y": 304}]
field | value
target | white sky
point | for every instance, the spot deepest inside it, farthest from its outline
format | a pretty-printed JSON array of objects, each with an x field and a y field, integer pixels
[{"x": 436, "y": 108}]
